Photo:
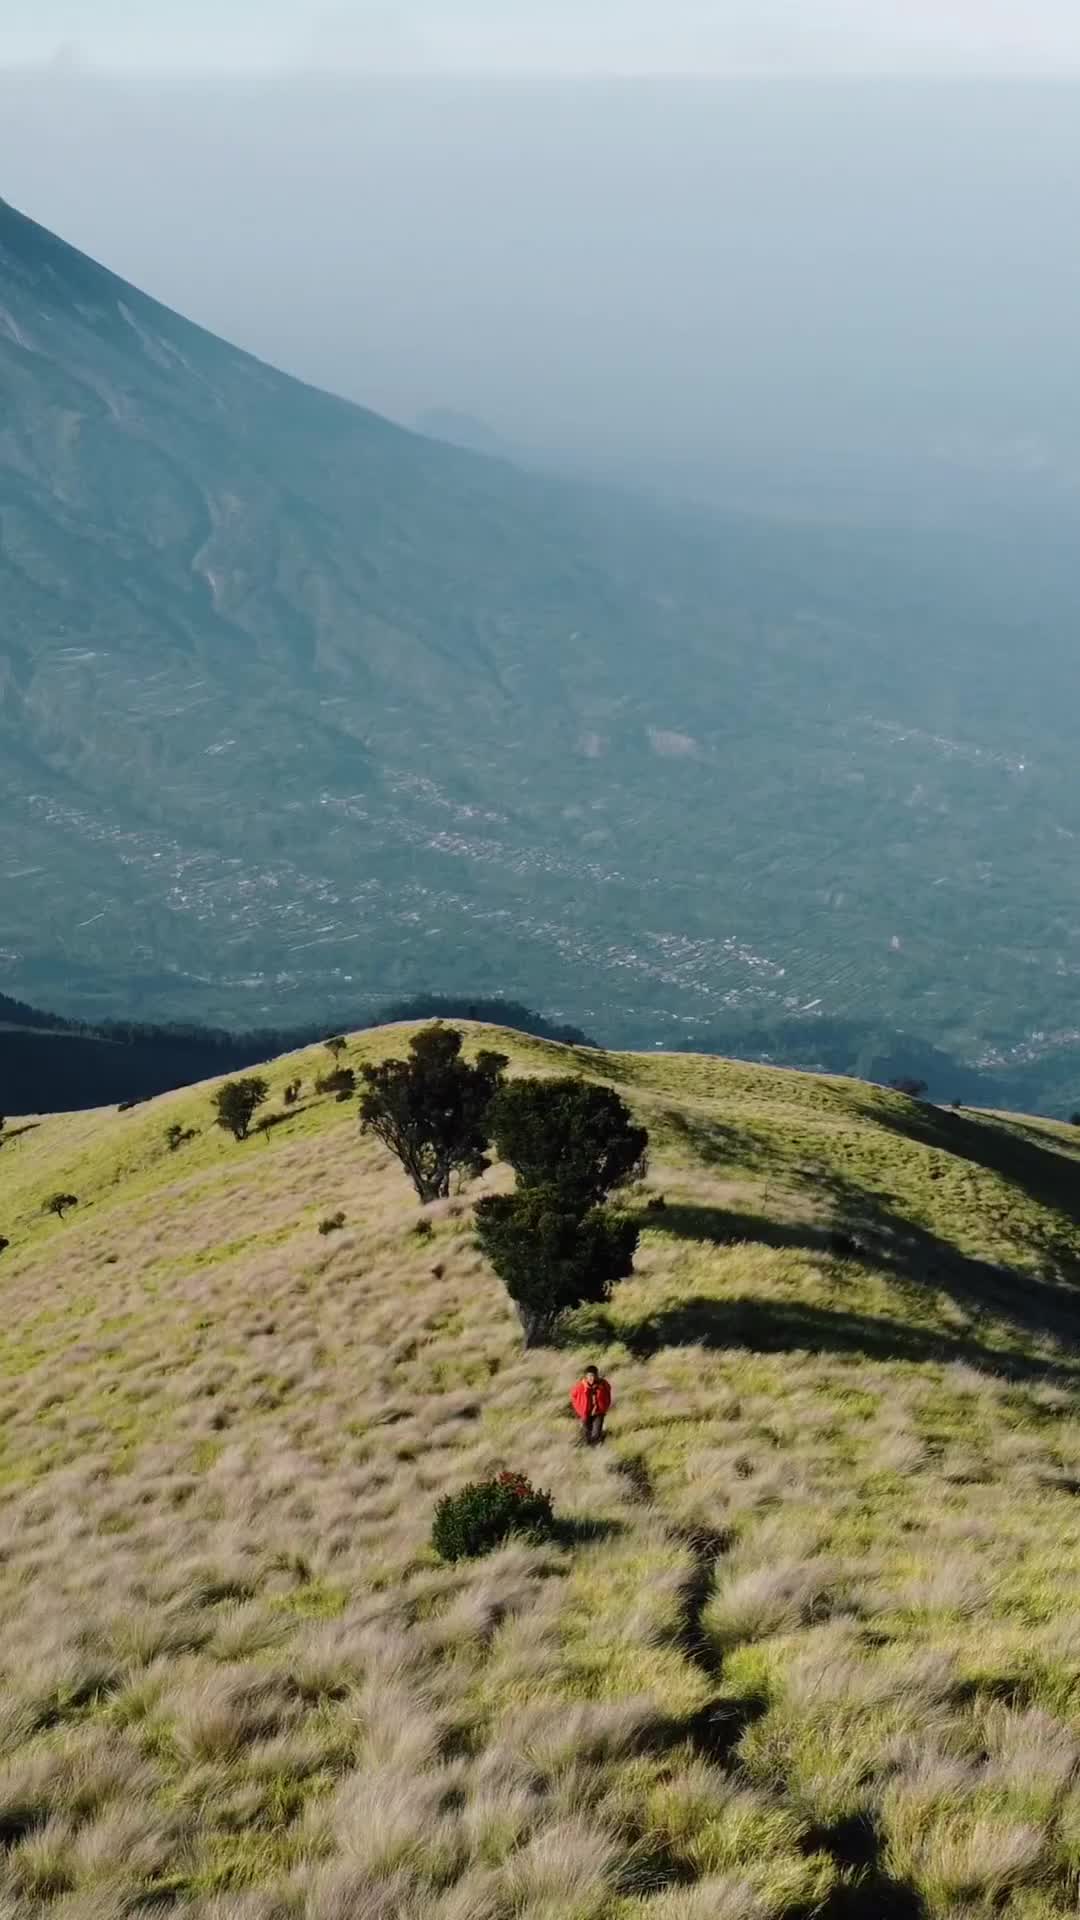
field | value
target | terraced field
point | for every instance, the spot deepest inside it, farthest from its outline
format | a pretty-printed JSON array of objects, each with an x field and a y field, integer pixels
[{"x": 808, "y": 1642}]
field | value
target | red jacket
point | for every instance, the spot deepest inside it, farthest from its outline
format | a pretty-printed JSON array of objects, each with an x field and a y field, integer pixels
[{"x": 583, "y": 1393}]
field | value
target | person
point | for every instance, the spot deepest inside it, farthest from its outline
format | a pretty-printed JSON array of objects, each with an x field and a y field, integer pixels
[{"x": 591, "y": 1400}]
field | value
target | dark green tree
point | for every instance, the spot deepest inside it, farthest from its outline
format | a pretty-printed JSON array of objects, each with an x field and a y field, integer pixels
[
  {"x": 568, "y": 1134},
  {"x": 236, "y": 1103},
  {"x": 432, "y": 1109},
  {"x": 336, "y": 1046},
  {"x": 550, "y": 1256}
]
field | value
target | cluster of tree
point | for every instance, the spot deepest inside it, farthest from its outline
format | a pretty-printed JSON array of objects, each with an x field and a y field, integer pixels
[
  {"x": 555, "y": 1241},
  {"x": 511, "y": 1014}
]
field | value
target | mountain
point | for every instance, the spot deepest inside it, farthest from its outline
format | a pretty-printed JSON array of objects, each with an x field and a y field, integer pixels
[
  {"x": 462, "y": 430},
  {"x": 49, "y": 1064},
  {"x": 301, "y": 712},
  {"x": 805, "y": 1642}
]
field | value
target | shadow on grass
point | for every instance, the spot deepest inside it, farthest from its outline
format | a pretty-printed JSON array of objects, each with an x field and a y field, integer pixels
[
  {"x": 1044, "y": 1174},
  {"x": 779, "y": 1326},
  {"x": 903, "y": 1251},
  {"x": 711, "y": 1142},
  {"x": 582, "y": 1532},
  {"x": 867, "y": 1892},
  {"x": 723, "y": 1227},
  {"x": 268, "y": 1123}
]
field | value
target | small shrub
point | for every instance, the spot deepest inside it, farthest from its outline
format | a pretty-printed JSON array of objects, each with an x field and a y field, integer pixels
[
  {"x": 1074, "y": 1119},
  {"x": 332, "y": 1224},
  {"x": 177, "y": 1136},
  {"x": 915, "y": 1089},
  {"x": 59, "y": 1203},
  {"x": 4, "y": 1244},
  {"x": 423, "y": 1229},
  {"x": 341, "y": 1082},
  {"x": 292, "y": 1092},
  {"x": 336, "y": 1046},
  {"x": 487, "y": 1512}
]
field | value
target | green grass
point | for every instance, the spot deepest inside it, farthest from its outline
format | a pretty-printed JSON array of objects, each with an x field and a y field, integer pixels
[{"x": 808, "y": 1642}]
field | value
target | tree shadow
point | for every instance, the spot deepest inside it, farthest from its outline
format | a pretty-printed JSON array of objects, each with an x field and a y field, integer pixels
[
  {"x": 712, "y": 1142},
  {"x": 1050, "y": 1177},
  {"x": 268, "y": 1123},
  {"x": 907, "y": 1253},
  {"x": 725, "y": 1227},
  {"x": 785, "y": 1326},
  {"x": 867, "y": 1891},
  {"x": 583, "y": 1531}
]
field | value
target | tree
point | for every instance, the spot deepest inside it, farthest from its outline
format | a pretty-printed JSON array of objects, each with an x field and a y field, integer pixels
[
  {"x": 431, "y": 1110},
  {"x": 4, "y": 1244},
  {"x": 913, "y": 1088},
  {"x": 336, "y": 1046},
  {"x": 568, "y": 1134},
  {"x": 58, "y": 1203},
  {"x": 236, "y": 1103},
  {"x": 550, "y": 1256}
]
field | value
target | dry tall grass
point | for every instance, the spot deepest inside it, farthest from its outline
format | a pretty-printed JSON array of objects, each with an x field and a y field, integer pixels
[{"x": 809, "y": 1643}]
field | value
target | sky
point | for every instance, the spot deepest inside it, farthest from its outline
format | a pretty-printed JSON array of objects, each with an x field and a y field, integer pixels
[
  {"x": 868, "y": 258},
  {"x": 565, "y": 36}
]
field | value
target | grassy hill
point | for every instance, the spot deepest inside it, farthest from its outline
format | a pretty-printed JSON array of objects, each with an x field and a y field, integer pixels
[{"x": 808, "y": 1643}]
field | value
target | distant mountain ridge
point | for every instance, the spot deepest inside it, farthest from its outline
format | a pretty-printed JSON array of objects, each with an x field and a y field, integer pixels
[
  {"x": 48, "y": 1064},
  {"x": 300, "y": 711},
  {"x": 462, "y": 430}
]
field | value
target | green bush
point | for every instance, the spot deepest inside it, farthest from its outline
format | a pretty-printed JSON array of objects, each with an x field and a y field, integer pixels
[
  {"x": 332, "y": 1224},
  {"x": 486, "y": 1513}
]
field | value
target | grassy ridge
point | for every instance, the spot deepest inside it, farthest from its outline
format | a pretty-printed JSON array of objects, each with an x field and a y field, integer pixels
[{"x": 808, "y": 1642}]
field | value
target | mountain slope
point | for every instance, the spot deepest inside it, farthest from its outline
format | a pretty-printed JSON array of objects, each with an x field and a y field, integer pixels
[
  {"x": 300, "y": 712},
  {"x": 807, "y": 1644}
]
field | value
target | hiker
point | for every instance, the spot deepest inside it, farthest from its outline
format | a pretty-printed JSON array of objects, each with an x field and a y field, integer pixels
[{"x": 591, "y": 1399}]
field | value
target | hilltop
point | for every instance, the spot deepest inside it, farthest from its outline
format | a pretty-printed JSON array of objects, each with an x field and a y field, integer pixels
[
  {"x": 807, "y": 1643},
  {"x": 302, "y": 712}
]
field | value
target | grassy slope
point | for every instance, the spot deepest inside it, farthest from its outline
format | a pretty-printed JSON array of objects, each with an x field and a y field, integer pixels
[{"x": 811, "y": 1640}]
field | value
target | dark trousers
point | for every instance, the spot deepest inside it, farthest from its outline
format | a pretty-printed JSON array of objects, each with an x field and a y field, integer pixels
[{"x": 594, "y": 1429}]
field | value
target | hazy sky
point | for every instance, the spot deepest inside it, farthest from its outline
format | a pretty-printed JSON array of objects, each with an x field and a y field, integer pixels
[
  {"x": 703, "y": 271},
  {"x": 561, "y": 35}
]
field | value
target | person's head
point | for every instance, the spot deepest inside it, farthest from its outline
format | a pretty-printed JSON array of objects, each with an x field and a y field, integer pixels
[{"x": 592, "y": 1374}]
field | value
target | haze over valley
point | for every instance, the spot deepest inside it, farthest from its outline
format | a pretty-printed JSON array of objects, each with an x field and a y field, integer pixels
[{"x": 732, "y": 685}]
